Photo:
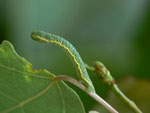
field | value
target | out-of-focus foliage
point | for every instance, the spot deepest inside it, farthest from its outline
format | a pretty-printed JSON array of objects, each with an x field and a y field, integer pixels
[
  {"x": 114, "y": 32},
  {"x": 140, "y": 96}
]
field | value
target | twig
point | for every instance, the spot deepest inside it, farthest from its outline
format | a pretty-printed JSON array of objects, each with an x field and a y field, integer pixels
[
  {"x": 106, "y": 77},
  {"x": 129, "y": 102},
  {"x": 92, "y": 94}
]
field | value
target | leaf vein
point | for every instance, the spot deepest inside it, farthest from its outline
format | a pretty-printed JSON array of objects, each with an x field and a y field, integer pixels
[
  {"x": 21, "y": 104},
  {"x": 30, "y": 74},
  {"x": 62, "y": 97}
]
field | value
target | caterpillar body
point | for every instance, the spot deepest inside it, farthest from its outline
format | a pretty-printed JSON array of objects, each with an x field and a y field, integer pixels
[{"x": 44, "y": 37}]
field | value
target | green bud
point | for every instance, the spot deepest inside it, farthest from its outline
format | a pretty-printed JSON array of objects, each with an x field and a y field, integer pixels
[{"x": 104, "y": 73}]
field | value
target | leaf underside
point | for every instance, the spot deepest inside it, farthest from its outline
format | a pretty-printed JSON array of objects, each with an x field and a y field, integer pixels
[{"x": 24, "y": 90}]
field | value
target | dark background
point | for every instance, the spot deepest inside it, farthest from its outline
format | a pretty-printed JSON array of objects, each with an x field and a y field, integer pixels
[{"x": 115, "y": 32}]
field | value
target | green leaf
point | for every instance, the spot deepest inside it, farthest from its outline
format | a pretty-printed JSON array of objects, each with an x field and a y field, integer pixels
[{"x": 24, "y": 90}]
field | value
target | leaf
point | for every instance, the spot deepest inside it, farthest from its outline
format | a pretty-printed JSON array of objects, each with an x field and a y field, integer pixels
[{"x": 24, "y": 90}]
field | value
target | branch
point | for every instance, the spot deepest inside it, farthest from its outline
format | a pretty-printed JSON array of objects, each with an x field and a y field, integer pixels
[
  {"x": 107, "y": 78},
  {"x": 129, "y": 102},
  {"x": 82, "y": 87}
]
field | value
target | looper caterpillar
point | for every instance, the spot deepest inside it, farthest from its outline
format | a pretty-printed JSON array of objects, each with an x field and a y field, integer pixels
[{"x": 44, "y": 37}]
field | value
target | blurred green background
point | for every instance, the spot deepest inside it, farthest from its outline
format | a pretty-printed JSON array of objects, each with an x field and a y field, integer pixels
[{"x": 115, "y": 32}]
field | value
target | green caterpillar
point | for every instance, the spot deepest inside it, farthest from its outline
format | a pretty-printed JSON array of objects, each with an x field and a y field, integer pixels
[{"x": 41, "y": 36}]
